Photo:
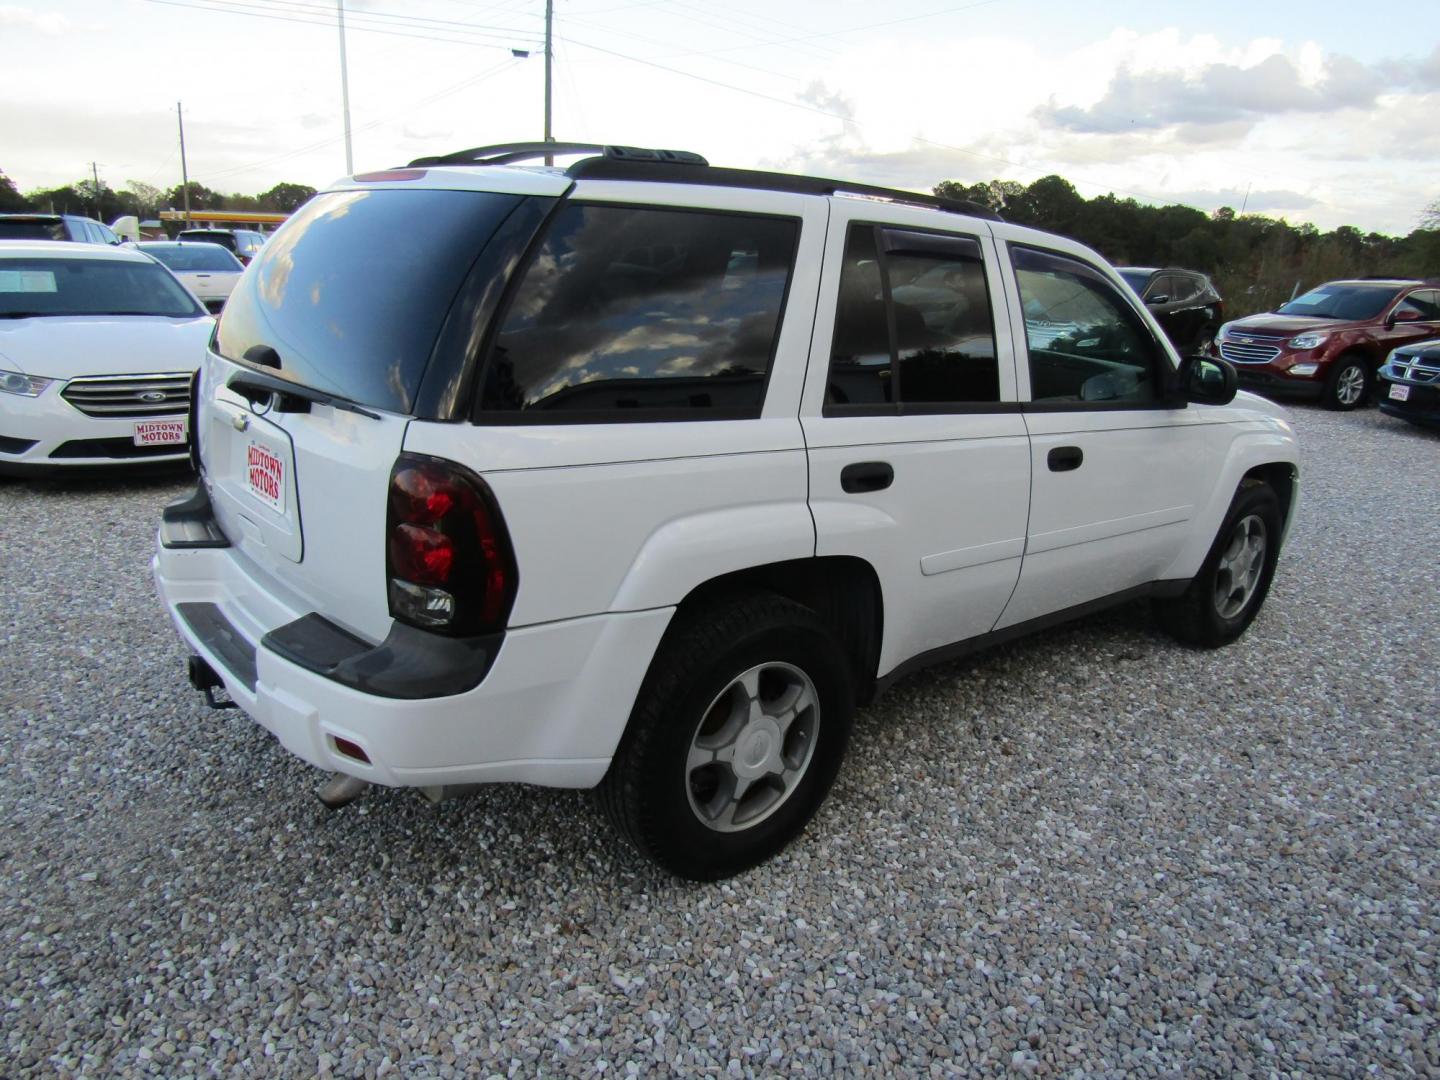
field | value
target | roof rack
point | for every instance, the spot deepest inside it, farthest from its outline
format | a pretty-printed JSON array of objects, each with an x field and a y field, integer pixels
[
  {"x": 509, "y": 153},
  {"x": 608, "y": 168},
  {"x": 684, "y": 167}
]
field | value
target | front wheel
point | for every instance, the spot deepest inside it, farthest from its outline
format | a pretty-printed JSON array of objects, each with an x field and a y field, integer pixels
[
  {"x": 736, "y": 736},
  {"x": 1225, "y": 596},
  {"x": 1349, "y": 383}
]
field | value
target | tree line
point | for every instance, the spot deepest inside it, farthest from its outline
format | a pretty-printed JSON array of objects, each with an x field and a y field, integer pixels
[
  {"x": 143, "y": 200},
  {"x": 1256, "y": 262}
]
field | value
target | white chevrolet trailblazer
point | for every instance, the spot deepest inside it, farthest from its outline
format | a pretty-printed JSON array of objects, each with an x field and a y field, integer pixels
[
  {"x": 98, "y": 350},
  {"x": 641, "y": 474}
]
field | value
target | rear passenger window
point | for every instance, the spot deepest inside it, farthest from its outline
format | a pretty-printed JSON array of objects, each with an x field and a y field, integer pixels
[
  {"x": 626, "y": 311},
  {"x": 913, "y": 324}
]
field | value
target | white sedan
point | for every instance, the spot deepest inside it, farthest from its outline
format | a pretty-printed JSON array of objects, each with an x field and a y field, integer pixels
[
  {"x": 98, "y": 348},
  {"x": 207, "y": 270}
]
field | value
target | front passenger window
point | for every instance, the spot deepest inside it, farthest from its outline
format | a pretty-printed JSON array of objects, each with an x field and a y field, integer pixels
[{"x": 1086, "y": 344}]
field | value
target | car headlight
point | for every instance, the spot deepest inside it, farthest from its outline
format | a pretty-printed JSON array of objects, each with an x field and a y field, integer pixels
[
  {"x": 1304, "y": 369},
  {"x": 1312, "y": 340},
  {"x": 12, "y": 382}
]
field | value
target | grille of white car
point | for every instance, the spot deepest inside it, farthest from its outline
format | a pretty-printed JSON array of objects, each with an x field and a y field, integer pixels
[{"x": 130, "y": 395}]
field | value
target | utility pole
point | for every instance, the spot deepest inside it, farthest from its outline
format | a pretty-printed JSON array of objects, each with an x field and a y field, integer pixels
[
  {"x": 345, "y": 88},
  {"x": 549, "y": 25},
  {"x": 95, "y": 172},
  {"x": 184, "y": 171}
]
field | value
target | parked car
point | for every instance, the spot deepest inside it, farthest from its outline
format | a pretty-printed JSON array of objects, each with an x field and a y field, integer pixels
[
  {"x": 1410, "y": 384},
  {"x": 1185, "y": 303},
  {"x": 207, "y": 270},
  {"x": 244, "y": 244},
  {"x": 55, "y": 227},
  {"x": 98, "y": 347},
  {"x": 1327, "y": 344},
  {"x": 639, "y": 476}
]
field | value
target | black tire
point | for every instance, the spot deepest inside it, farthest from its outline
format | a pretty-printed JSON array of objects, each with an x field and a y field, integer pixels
[
  {"x": 1199, "y": 616},
  {"x": 1338, "y": 384},
  {"x": 650, "y": 791}
]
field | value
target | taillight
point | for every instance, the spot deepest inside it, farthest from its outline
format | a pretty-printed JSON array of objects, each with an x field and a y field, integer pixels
[{"x": 448, "y": 558}]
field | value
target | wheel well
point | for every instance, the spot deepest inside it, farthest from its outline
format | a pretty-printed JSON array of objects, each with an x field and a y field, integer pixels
[
  {"x": 843, "y": 590},
  {"x": 1281, "y": 476}
]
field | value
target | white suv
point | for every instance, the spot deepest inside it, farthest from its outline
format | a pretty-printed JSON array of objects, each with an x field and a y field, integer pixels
[{"x": 642, "y": 474}]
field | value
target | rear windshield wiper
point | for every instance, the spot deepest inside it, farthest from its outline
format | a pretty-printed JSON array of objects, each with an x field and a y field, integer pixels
[{"x": 256, "y": 386}]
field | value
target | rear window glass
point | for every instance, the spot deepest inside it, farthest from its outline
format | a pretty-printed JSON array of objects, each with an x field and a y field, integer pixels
[
  {"x": 39, "y": 286},
  {"x": 32, "y": 230},
  {"x": 207, "y": 236},
  {"x": 626, "y": 309},
  {"x": 1342, "y": 302},
  {"x": 195, "y": 258},
  {"x": 352, "y": 291}
]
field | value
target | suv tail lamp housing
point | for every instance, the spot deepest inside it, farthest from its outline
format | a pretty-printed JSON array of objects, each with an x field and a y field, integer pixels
[{"x": 448, "y": 559}]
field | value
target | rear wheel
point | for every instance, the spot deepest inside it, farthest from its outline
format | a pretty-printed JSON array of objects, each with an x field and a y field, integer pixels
[
  {"x": 1348, "y": 384},
  {"x": 735, "y": 739},
  {"x": 1225, "y": 596}
]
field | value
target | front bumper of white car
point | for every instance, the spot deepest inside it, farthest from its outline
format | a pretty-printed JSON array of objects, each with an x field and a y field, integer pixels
[{"x": 51, "y": 433}]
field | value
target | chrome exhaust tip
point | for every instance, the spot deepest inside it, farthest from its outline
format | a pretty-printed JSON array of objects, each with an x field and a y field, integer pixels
[{"x": 341, "y": 790}]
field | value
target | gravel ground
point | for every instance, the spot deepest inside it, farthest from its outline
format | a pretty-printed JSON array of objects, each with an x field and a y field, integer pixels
[{"x": 1090, "y": 853}]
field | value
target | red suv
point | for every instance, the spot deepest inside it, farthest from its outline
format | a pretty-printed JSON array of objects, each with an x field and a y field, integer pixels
[{"x": 1327, "y": 344}]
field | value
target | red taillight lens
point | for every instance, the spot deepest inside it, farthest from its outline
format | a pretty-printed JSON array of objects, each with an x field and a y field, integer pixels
[{"x": 448, "y": 557}]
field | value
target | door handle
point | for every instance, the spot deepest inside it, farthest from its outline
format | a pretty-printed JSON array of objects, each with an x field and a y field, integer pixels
[
  {"x": 1065, "y": 458},
  {"x": 866, "y": 476}
]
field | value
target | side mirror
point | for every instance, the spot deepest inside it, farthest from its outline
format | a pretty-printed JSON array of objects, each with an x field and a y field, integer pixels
[
  {"x": 1207, "y": 380},
  {"x": 1403, "y": 315}
]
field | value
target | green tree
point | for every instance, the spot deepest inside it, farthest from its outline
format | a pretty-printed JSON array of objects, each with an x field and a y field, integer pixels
[
  {"x": 11, "y": 200},
  {"x": 286, "y": 198}
]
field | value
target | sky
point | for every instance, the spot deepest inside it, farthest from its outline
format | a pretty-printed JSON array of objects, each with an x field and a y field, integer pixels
[{"x": 1318, "y": 111}]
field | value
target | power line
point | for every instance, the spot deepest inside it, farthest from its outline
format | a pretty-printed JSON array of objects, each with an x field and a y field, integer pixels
[
  {"x": 832, "y": 115},
  {"x": 453, "y": 89},
  {"x": 421, "y": 22},
  {"x": 220, "y": 7}
]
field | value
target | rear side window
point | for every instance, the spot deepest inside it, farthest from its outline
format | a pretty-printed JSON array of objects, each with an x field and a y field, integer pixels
[
  {"x": 913, "y": 324},
  {"x": 22, "y": 229},
  {"x": 626, "y": 313},
  {"x": 353, "y": 290}
]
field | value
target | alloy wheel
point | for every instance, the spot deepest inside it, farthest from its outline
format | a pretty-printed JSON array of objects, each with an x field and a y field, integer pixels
[
  {"x": 1241, "y": 564},
  {"x": 752, "y": 746}
]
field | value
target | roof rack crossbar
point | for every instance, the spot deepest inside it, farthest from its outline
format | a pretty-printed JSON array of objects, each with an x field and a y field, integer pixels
[
  {"x": 506, "y": 153},
  {"x": 614, "y": 168},
  {"x": 509, "y": 153}
]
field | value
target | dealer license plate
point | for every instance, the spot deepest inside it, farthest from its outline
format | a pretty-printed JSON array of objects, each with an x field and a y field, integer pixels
[
  {"x": 265, "y": 475},
  {"x": 1399, "y": 393},
  {"x": 160, "y": 433}
]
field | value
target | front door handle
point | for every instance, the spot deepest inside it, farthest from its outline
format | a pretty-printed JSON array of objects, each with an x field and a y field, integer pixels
[
  {"x": 1065, "y": 458},
  {"x": 866, "y": 476}
]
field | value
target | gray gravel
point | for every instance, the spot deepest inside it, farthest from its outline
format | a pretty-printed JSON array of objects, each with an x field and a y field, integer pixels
[{"x": 1090, "y": 853}]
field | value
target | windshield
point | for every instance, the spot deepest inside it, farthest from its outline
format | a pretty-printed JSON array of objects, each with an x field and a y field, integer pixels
[
  {"x": 353, "y": 289},
  {"x": 32, "y": 229},
  {"x": 39, "y": 286},
  {"x": 1137, "y": 280},
  {"x": 183, "y": 258},
  {"x": 1342, "y": 302}
]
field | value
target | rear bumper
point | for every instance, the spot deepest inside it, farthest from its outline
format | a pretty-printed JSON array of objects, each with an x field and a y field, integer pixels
[{"x": 550, "y": 710}]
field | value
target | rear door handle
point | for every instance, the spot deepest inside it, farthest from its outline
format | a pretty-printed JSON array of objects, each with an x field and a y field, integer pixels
[
  {"x": 1065, "y": 458},
  {"x": 866, "y": 476}
]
